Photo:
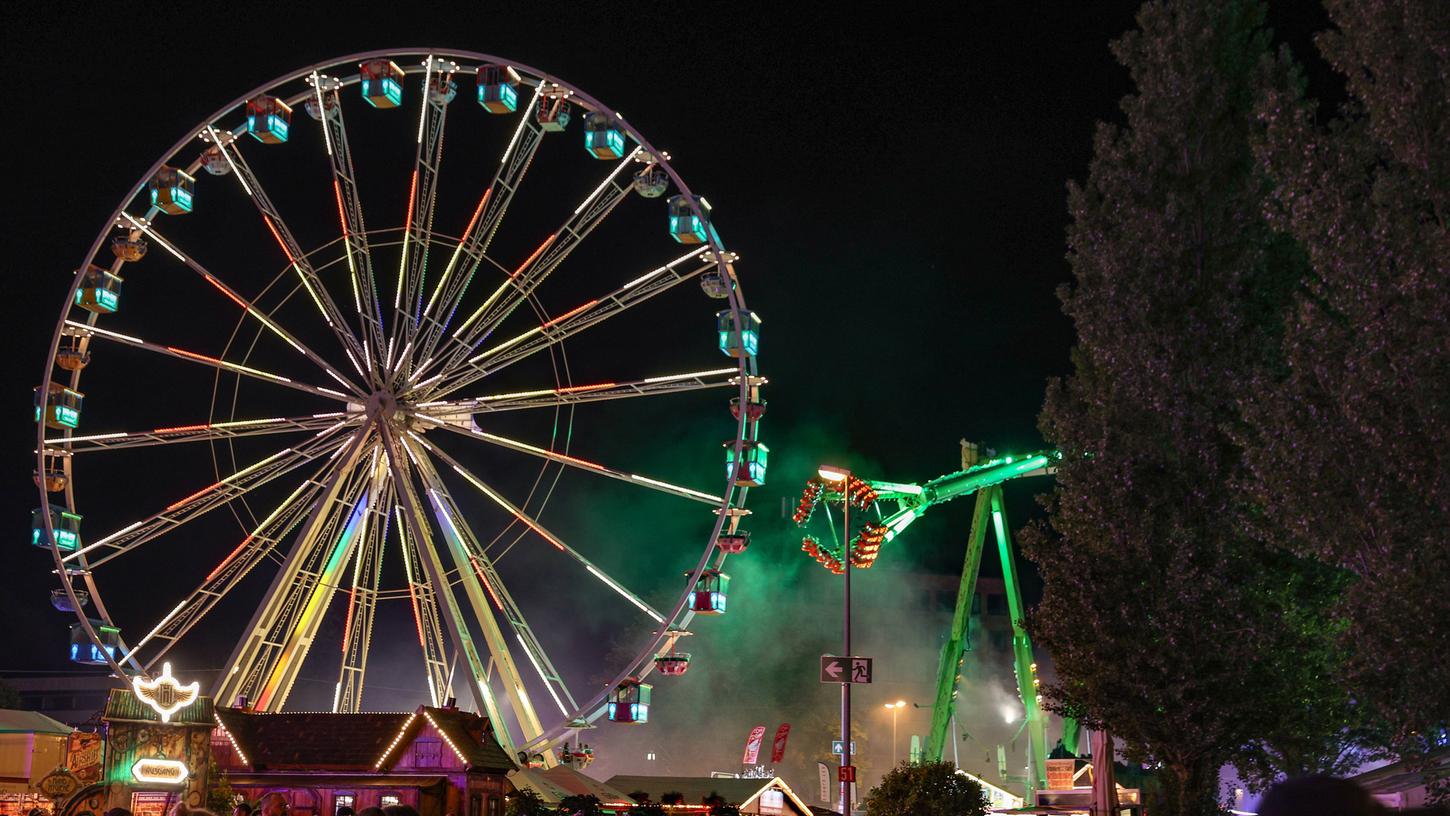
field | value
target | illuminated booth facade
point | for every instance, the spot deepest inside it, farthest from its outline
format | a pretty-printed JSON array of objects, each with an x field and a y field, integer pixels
[
  {"x": 152, "y": 762},
  {"x": 436, "y": 760}
]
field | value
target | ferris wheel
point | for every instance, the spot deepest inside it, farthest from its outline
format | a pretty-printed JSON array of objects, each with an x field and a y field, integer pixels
[{"x": 386, "y": 414}]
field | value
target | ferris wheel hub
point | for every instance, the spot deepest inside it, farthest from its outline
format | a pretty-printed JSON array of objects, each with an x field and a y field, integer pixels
[{"x": 382, "y": 406}]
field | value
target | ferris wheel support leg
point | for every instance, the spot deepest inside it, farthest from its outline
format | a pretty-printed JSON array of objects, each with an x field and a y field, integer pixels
[
  {"x": 417, "y": 523},
  {"x": 1023, "y": 659},
  {"x": 424, "y": 599},
  {"x": 471, "y": 576},
  {"x": 949, "y": 669},
  {"x": 242, "y": 668},
  {"x": 363, "y": 596}
]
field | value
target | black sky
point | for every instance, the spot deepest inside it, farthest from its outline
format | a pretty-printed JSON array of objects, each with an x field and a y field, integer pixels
[{"x": 892, "y": 177}]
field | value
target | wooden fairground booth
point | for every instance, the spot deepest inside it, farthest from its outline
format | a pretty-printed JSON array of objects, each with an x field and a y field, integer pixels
[
  {"x": 157, "y": 751},
  {"x": 437, "y": 760}
]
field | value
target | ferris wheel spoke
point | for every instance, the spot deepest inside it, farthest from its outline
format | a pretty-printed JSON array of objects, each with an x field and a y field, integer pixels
[
  {"x": 246, "y": 305},
  {"x": 478, "y": 235},
  {"x": 231, "y": 569},
  {"x": 267, "y": 658},
  {"x": 311, "y": 281},
  {"x": 473, "y": 431},
  {"x": 203, "y": 501},
  {"x": 577, "y": 394},
  {"x": 202, "y": 432},
  {"x": 415, "y": 520},
  {"x": 438, "y": 87},
  {"x": 362, "y": 599},
  {"x": 572, "y": 322},
  {"x": 349, "y": 209},
  {"x": 522, "y": 281},
  {"x": 213, "y": 362},
  {"x": 461, "y": 537},
  {"x": 533, "y": 524}
]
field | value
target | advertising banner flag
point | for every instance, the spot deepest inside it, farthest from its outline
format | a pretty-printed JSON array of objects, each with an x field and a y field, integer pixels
[
  {"x": 752, "y": 745},
  {"x": 825, "y": 775},
  {"x": 777, "y": 750}
]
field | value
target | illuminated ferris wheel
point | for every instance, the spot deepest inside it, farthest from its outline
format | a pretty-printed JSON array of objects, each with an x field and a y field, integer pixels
[{"x": 388, "y": 413}]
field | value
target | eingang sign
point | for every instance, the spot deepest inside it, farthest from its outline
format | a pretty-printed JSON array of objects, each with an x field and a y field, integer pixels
[{"x": 160, "y": 771}]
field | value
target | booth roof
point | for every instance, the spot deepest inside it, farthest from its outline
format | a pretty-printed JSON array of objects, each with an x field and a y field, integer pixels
[{"x": 15, "y": 721}]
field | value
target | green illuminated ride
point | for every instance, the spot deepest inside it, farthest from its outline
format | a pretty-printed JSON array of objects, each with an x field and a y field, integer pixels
[{"x": 985, "y": 479}]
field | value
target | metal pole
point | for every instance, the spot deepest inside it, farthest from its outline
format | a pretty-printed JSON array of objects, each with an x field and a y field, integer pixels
[
  {"x": 846, "y": 754},
  {"x": 894, "y": 709}
]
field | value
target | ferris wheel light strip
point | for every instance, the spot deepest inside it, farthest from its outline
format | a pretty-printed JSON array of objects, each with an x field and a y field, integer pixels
[
  {"x": 232, "y": 366},
  {"x": 216, "y": 139},
  {"x": 458, "y": 250},
  {"x": 529, "y": 653},
  {"x": 715, "y": 372},
  {"x": 244, "y": 471},
  {"x": 655, "y": 272},
  {"x": 597, "y": 190},
  {"x": 423, "y": 114},
  {"x": 407, "y": 230},
  {"x": 322, "y": 109},
  {"x": 523, "y": 120},
  {"x": 493, "y": 298},
  {"x": 106, "y": 332},
  {"x": 597, "y": 573},
  {"x": 134, "y": 649},
  {"x": 277, "y": 511},
  {"x": 505, "y": 504},
  {"x": 146, "y": 228}
]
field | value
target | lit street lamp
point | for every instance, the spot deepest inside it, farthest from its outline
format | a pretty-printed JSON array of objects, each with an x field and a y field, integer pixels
[
  {"x": 895, "y": 709},
  {"x": 843, "y": 476}
]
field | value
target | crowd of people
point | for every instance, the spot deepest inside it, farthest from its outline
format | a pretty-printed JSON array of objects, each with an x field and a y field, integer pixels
[{"x": 273, "y": 804}]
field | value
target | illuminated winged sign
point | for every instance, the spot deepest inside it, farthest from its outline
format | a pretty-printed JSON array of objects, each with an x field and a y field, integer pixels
[{"x": 165, "y": 693}]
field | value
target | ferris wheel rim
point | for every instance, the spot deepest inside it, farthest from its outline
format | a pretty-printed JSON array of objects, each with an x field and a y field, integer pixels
[{"x": 747, "y": 366}]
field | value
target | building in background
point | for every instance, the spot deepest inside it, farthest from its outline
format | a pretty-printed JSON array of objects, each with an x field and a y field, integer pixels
[{"x": 74, "y": 699}]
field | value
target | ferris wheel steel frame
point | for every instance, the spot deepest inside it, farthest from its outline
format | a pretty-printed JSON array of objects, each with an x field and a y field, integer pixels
[{"x": 361, "y": 463}]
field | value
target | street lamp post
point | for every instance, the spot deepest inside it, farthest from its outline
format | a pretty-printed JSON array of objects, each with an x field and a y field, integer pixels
[
  {"x": 843, "y": 476},
  {"x": 895, "y": 708}
]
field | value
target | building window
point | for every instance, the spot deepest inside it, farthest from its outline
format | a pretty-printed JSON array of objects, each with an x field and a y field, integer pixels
[
  {"x": 427, "y": 753},
  {"x": 475, "y": 805},
  {"x": 340, "y": 801},
  {"x": 389, "y": 799},
  {"x": 495, "y": 806}
]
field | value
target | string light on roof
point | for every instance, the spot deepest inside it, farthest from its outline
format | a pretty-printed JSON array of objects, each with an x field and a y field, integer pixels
[
  {"x": 445, "y": 737},
  {"x": 394, "y": 744},
  {"x": 233, "y": 740}
]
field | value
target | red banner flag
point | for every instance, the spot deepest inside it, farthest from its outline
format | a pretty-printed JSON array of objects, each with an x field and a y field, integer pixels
[
  {"x": 752, "y": 745},
  {"x": 777, "y": 750}
]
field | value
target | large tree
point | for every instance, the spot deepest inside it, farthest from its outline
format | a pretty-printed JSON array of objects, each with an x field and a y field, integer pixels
[
  {"x": 1166, "y": 614},
  {"x": 928, "y": 789},
  {"x": 1349, "y": 439}
]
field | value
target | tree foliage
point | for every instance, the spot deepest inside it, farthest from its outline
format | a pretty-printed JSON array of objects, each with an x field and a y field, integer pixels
[
  {"x": 929, "y": 789},
  {"x": 1162, "y": 607},
  {"x": 581, "y": 804},
  {"x": 526, "y": 802},
  {"x": 1349, "y": 440}
]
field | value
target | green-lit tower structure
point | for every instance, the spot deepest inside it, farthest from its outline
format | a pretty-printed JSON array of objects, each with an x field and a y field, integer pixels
[{"x": 984, "y": 478}]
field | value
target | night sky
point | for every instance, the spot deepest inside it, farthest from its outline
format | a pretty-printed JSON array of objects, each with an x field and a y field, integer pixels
[{"x": 893, "y": 182}]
